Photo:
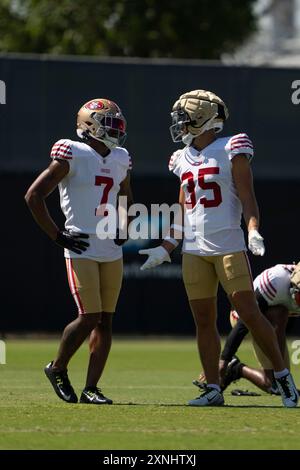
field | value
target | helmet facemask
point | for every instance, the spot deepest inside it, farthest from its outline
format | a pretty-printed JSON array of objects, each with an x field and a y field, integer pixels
[
  {"x": 180, "y": 119},
  {"x": 111, "y": 130},
  {"x": 181, "y": 122}
]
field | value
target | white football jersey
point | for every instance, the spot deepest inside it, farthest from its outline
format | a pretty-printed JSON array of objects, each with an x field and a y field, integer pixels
[
  {"x": 213, "y": 209},
  {"x": 274, "y": 285},
  {"x": 92, "y": 181}
]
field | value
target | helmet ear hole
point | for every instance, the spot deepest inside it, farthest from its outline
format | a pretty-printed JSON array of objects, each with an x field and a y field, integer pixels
[{"x": 221, "y": 112}]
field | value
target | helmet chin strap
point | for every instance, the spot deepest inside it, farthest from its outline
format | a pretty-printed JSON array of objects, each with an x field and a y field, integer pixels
[
  {"x": 218, "y": 126},
  {"x": 187, "y": 139},
  {"x": 111, "y": 144},
  {"x": 80, "y": 133}
]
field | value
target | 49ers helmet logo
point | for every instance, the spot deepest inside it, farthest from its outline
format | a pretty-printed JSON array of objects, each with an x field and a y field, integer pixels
[{"x": 95, "y": 105}]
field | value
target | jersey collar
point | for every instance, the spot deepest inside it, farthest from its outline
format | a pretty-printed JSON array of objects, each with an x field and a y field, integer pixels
[{"x": 193, "y": 156}]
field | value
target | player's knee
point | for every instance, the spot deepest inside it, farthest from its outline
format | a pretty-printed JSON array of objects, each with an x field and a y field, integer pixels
[
  {"x": 105, "y": 323},
  {"x": 246, "y": 307},
  {"x": 279, "y": 322},
  {"x": 90, "y": 320},
  {"x": 249, "y": 316}
]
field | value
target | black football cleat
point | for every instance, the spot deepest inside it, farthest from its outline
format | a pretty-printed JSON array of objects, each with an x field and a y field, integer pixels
[
  {"x": 233, "y": 372},
  {"x": 61, "y": 384},
  {"x": 94, "y": 396},
  {"x": 274, "y": 390}
]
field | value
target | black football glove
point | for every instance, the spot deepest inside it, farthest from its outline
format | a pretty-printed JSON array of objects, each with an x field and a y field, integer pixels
[
  {"x": 72, "y": 241},
  {"x": 120, "y": 241}
]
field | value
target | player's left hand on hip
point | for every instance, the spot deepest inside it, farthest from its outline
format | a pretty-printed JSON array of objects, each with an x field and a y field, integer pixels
[
  {"x": 72, "y": 241},
  {"x": 256, "y": 243},
  {"x": 156, "y": 256}
]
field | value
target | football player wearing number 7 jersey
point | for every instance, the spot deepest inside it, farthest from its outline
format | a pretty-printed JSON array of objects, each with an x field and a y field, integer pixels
[
  {"x": 215, "y": 190},
  {"x": 90, "y": 175}
]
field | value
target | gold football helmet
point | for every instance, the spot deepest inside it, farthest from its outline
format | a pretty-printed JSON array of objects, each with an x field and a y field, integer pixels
[
  {"x": 102, "y": 119},
  {"x": 196, "y": 112}
]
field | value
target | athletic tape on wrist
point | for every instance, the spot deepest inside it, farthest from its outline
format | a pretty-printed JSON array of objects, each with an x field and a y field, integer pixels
[
  {"x": 171, "y": 240},
  {"x": 179, "y": 228}
]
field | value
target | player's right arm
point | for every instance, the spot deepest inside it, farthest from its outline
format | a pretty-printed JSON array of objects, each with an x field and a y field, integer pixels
[
  {"x": 40, "y": 189},
  {"x": 160, "y": 254},
  {"x": 35, "y": 198},
  {"x": 176, "y": 231}
]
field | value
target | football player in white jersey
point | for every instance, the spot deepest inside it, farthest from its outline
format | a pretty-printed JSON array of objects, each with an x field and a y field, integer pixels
[
  {"x": 90, "y": 174},
  {"x": 277, "y": 291},
  {"x": 215, "y": 190}
]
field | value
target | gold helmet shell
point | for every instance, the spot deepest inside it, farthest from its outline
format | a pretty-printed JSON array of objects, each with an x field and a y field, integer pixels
[
  {"x": 196, "y": 112},
  {"x": 102, "y": 119}
]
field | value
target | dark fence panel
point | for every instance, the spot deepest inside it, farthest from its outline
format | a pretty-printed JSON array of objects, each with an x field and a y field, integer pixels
[{"x": 45, "y": 93}]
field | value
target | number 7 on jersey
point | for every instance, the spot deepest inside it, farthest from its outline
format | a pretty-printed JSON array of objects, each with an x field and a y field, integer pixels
[{"x": 108, "y": 184}]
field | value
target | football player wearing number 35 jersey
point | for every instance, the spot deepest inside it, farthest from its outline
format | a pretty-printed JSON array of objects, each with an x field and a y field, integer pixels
[
  {"x": 90, "y": 175},
  {"x": 215, "y": 190}
]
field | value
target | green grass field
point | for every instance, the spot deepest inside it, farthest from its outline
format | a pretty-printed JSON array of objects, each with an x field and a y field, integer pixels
[{"x": 150, "y": 383}]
